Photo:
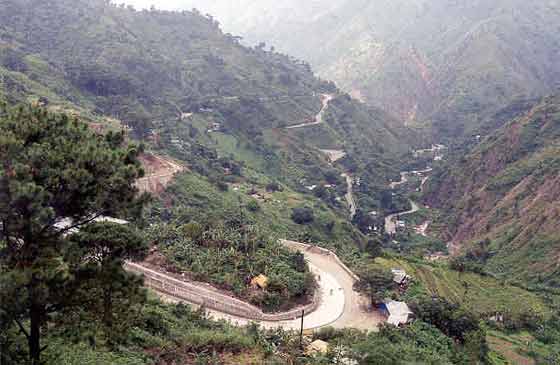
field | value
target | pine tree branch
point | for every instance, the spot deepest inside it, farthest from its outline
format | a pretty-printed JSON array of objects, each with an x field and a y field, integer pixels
[
  {"x": 22, "y": 329},
  {"x": 73, "y": 226}
]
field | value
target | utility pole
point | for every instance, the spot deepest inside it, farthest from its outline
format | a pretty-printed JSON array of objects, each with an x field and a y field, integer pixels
[{"x": 301, "y": 330}]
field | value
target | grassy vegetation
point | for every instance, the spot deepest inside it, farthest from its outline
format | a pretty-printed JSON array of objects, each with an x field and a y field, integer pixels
[
  {"x": 159, "y": 333},
  {"x": 480, "y": 294},
  {"x": 522, "y": 347},
  {"x": 419, "y": 342},
  {"x": 499, "y": 198},
  {"x": 230, "y": 253},
  {"x": 194, "y": 197}
]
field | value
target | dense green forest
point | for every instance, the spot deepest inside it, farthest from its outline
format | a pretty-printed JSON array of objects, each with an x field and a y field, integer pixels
[
  {"x": 67, "y": 298},
  {"x": 151, "y": 69}
]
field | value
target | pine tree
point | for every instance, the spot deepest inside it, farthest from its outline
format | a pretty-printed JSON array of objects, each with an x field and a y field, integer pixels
[
  {"x": 56, "y": 177},
  {"x": 97, "y": 254}
]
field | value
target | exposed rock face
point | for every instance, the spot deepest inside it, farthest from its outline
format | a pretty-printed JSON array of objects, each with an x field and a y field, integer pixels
[
  {"x": 159, "y": 173},
  {"x": 503, "y": 198}
]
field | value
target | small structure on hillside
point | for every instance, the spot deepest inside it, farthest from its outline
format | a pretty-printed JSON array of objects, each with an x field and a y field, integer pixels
[
  {"x": 317, "y": 347},
  {"x": 398, "y": 313},
  {"x": 214, "y": 127},
  {"x": 400, "y": 276},
  {"x": 185, "y": 116},
  {"x": 260, "y": 281}
]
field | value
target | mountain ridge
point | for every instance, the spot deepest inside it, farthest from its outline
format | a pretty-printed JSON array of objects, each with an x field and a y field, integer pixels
[
  {"x": 440, "y": 64},
  {"x": 501, "y": 197}
]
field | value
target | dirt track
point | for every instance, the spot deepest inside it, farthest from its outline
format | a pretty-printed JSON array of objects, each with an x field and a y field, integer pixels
[
  {"x": 334, "y": 155},
  {"x": 326, "y": 99},
  {"x": 159, "y": 172}
]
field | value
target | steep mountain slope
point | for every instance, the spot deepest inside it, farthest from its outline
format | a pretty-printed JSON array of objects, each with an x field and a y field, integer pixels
[
  {"x": 452, "y": 63},
  {"x": 154, "y": 69},
  {"x": 219, "y": 109},
  {"x": 156, "y": 63},
  {"x": 502, "y": 198}
]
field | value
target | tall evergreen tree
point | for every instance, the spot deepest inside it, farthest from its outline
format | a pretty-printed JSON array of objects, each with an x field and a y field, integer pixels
[
  {"x": 97, "y": 254},
  {"x": 56, "y": 177}
]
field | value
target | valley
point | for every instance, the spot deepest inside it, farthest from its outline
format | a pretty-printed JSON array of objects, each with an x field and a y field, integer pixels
[{"x": 178, "y": 187}]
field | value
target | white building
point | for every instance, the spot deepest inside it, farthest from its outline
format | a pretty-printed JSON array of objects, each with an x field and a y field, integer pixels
[{"x": 398, "y": 312}]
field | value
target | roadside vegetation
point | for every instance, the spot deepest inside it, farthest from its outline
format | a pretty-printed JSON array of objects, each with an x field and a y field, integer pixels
[{"x": 231, "y": 255}]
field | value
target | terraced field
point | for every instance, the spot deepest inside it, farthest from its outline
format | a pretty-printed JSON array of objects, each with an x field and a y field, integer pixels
[{"x": 481, "y": 294}]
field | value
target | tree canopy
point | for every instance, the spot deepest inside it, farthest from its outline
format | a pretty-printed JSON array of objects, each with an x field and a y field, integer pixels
[
  {"x": 374, "y": 282},
  {"x": 56, "y": 178}
]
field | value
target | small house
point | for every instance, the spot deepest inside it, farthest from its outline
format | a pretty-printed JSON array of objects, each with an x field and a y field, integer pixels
[
  {"x": 400, "y": 276},
  {"x": 398, "y": 313},
  {"x": 317, "y": 347},
  {"x": 260, "y": 281},
  {"x": 185, "y": 116},
  {"x": 215, "y": 127}
]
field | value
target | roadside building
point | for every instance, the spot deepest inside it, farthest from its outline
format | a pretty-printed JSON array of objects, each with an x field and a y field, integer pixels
[
  {"x": 400, "y": 276},
  {"x": 397, "y": 313},
  {"x": 317, "y": 347},
  {"x": 260, "y": 281}
]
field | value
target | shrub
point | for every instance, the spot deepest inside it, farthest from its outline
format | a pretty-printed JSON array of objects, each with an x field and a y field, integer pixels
[
  {"x": 222, "y": 185},
  {"x": 303, "y": 215},
  {"x": 253, "y": 206},
  {"x": 208, "y": 340},
  {"x": 273, "y": 187},
  {"x": 193, "y": 230}
]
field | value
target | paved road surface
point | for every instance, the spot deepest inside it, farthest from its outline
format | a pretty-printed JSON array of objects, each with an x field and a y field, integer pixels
[
  {"x": 355, "y": 313},
  {"x": 391, "y": 220},
  {"x": 340, "y": 306},
  {"x": 404, "y": 179}
]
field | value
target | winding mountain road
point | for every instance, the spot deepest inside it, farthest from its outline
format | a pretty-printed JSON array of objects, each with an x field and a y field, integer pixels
[
  {"x": 339, "y": 305},
  {"x": 319, "y": 118},
  {"x": 391, "y": 220}
]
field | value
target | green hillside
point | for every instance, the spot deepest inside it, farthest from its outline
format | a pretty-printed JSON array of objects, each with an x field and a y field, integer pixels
[
  {"x": 449, "y": 64},
  {"x": 501, "y": 198},
  {"x": 151, "y": 69}
]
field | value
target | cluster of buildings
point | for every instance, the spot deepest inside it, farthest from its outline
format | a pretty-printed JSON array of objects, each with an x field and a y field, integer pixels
[{"x": 398, "y": 313}]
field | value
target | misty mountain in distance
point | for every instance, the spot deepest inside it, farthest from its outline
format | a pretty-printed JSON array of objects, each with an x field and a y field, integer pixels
[
  {"x": 448, "y": 63},
  {"x": 406, "y": 213}
]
